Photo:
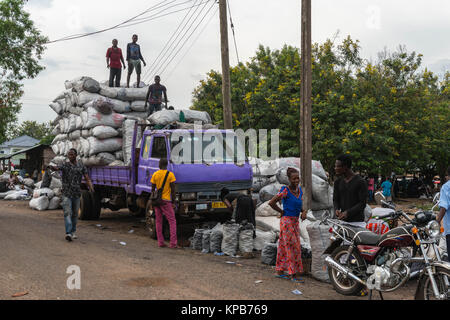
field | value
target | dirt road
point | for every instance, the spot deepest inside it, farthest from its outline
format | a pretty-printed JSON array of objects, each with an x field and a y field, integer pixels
[{"x": 35, "y": 258}]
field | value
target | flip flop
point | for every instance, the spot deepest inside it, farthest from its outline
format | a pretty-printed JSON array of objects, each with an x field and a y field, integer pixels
[
  {"x": 298, "y": 280},
  {"x": 282, "y": 276}
]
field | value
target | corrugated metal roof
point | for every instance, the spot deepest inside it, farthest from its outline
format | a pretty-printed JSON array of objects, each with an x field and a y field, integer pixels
[
  {"x": 9, "y": 156},
  {"x": 23, "y": 142}
]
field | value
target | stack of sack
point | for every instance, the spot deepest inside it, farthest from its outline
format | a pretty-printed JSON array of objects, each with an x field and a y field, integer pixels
[
  {"x": 20, "y": 192},
  {"x": 47, "y": 194},
  {"x": 270, "y": 176},
  {"x": 92, "y": 119},
  {"x": 231, "y": 238}
]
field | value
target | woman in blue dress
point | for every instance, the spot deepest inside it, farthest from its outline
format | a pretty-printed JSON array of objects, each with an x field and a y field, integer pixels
[{"x": 289, "y": 257}]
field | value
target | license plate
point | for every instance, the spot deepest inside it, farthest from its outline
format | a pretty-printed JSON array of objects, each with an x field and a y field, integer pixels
[
  {"x": 202, "y": 207},
  {"x": 219, "y": 205}
]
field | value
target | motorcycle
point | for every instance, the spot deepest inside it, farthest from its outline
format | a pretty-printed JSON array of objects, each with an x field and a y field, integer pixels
[{"x": 360, "y": 258}]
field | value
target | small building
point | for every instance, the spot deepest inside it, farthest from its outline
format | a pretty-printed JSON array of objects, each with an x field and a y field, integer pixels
[
  {"x": 15, "y": 146},
  {"x": 34, "y": 158}
]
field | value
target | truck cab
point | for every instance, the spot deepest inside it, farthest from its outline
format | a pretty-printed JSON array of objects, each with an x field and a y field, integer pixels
[{"x": 199, "y": 181}]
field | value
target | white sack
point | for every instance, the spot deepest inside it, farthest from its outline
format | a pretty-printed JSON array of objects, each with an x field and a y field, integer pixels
[
  {"x": 97, "y": 146},
  {"x": 55, "y": 203},
  {"x": 264, "y": 210},
  {"x": 40, "y": 204},
  {"x": 263, "y": 237},
  {"x": 43, "y": 192},
  {"x": 320, "y": 239},
  {"x": 93, "y": 118},
  {"x": 104, "y": 132}
]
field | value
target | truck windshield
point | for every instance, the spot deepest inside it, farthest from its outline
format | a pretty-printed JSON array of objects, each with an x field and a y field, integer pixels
[{"x": 217, "y": 148}]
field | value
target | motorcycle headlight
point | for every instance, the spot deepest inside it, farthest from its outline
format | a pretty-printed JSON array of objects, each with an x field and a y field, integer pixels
[{"x": 433, "y": 229}]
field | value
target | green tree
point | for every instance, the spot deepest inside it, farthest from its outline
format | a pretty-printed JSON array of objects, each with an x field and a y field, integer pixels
[
  {"x": 39, "y": 131},
  {"x": 389, "y": 115},
  {"x": 21, "y": 48}
]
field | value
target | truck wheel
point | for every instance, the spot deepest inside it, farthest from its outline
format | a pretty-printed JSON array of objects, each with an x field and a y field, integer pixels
[
  {"x": 96, "y": 205},
  {"x": 85, "y": 205},
  {"x": 134, "y": 209},
  {"x": 150, "y": 222}
]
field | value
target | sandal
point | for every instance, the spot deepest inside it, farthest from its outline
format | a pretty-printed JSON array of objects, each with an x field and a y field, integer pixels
[
  {"x": 298, "y": 280},
  {"x": 283, "y": 276}
]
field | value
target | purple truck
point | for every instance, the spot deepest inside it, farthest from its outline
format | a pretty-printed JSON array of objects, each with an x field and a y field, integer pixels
[{"x": 198, "y": 185}]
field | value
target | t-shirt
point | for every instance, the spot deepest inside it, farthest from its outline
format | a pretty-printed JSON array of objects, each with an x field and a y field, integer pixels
[
  {"x": 72, "y": 174},
  {"x": 387, "y": 185},
  {"x": 292, "y": 205},
  {"x": 351, "y": 197},
  {"x": 156, "y": 93},
  {"x": 133, "y": 51},
  {"x": 158, "y": 179},
  {"x": 444, "y": 202},
  {"x": 245, "y": 209},
  {"x": 115, "y": 56}
]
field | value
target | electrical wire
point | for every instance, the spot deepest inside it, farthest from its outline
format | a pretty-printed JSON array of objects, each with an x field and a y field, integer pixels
[
  {"x": 167, "y": 43},
  {"x": 73, "y": 37},
  {"x": 187, "y": 39},
  {"x": 192, "y": 45},
  {"x": 174, "y": 45},
  {"x": 234, "y": 35}
]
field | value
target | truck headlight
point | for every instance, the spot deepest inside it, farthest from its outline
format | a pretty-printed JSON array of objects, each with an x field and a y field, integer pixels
[
  {"x": 433, "y": 229},
  {"x": 189, "y": 196}
]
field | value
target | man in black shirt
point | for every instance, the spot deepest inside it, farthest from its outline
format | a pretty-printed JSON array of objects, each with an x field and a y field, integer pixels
[
  {"x": 245, "y": 206},
  {"x": 155, "y": 96},
  {"x": 350, "y": 192}
]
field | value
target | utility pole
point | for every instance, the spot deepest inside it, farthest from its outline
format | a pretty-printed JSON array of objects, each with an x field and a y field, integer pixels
[
  {"x": 226, "y": 86},
  {"x": 306, "y": 106}
]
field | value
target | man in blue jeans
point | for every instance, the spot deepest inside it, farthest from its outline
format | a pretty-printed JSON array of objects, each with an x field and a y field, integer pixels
[
  {"x": 72, "y": 174},
  {"x": 444, "y": 213}
]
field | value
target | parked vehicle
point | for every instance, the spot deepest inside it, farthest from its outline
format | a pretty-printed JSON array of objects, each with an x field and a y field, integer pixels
[
  {"x": 198, "y": 185},
  {"x": 359, "y": 258}
]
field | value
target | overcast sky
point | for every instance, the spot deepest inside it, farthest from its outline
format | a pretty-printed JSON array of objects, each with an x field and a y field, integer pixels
[{"x": 422, "y": 26}]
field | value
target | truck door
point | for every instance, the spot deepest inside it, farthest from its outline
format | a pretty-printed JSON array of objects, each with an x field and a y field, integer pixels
[{"x": 154, "y": 149}]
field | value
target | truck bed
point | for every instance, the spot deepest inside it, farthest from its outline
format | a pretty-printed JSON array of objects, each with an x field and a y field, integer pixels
[{"x": 111, "y": 176}]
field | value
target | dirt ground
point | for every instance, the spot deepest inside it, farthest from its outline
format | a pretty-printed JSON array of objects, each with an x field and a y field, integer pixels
[{"x": 35, "y": 257}]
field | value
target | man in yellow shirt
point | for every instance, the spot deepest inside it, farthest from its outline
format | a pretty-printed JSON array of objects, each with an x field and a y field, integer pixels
[{"x": 168, "y": 204}]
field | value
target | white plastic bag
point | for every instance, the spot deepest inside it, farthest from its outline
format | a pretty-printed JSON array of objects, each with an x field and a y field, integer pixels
[{"x": 40, "y": 204}]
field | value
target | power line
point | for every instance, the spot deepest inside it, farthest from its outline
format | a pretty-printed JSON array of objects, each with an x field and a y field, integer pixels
[
  {"x": 175, "y": 44},
  {"x": 193, "y": 43},
  {"x": 164, "y": 48},
  {"x": 187, "y": 39},
  {"x": 72, "y": 37},
  {"x": 234, "y": 35}
]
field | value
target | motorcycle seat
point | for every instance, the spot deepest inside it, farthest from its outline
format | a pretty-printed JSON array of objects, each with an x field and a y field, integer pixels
[{"x": 367, "y": 238}]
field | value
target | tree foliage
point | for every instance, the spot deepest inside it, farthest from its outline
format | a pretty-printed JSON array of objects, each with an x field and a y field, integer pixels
[
  {"x": 39, "y": 131},
  {"x": 21, "y": 48},
  {"x": 390, "y": 115}
]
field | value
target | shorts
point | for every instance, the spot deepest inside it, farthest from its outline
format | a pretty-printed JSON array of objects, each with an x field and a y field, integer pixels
[{"x": 134, "y": 64}]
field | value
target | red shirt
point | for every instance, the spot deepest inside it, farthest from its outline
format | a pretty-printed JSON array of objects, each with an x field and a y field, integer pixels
[{"x": 115, "y": 56}]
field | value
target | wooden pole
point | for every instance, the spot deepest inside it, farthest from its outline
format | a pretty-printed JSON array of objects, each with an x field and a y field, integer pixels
[
  {"x": 226, "y": 86},
  {"x": 306, "y": 106}
]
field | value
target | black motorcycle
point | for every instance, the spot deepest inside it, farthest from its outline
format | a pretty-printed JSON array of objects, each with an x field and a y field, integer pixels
[{"x": 360, "y": 258}]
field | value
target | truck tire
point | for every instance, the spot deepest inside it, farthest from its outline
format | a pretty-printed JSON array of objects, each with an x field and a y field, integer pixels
[
  {"x": 85, "y": 205},
  {"x": 134, "y": 209},
  {"x": 96, "y": 205},
  {"x": 150, "y": 221}
]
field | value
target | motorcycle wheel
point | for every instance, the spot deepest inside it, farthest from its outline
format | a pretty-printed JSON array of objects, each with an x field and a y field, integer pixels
[
  {"x": 343, "y": 285},
  {"x": 425, "y": 289}
]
